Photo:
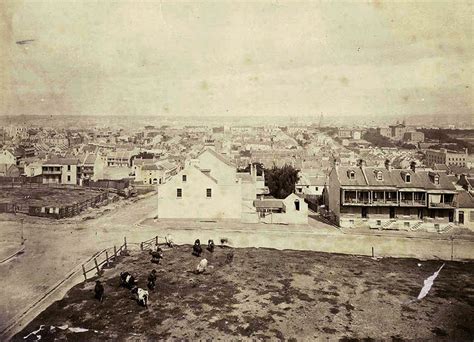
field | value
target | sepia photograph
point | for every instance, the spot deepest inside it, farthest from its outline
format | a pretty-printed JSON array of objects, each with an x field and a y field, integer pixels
[{"x": 254, "y": 170}]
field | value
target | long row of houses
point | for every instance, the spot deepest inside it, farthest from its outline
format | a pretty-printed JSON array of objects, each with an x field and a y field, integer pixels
[
  {"x": 77, "y": 169},
  {"x": 209, "y": 187}
]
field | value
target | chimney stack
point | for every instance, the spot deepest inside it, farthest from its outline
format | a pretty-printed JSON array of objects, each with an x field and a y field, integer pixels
[
  {"x": 413, "y": 166},
  {"x": 388, "y": 165}
]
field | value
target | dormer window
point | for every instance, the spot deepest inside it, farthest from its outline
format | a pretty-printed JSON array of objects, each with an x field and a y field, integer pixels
[
  {"x": 351, "y": 174},
  {"x": 378, "y": 175},
  {"x": 436, "y": 180},
  {"x": 407, "y": 178}
]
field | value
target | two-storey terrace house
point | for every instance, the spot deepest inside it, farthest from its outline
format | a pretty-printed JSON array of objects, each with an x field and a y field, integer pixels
[{"x": 381, "y": 197}]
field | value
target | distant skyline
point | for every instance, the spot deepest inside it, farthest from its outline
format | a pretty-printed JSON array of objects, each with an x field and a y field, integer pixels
[{"x": 236, "y": 59}]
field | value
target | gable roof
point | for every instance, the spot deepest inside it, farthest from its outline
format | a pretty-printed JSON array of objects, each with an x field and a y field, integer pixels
[{"x": 217, "y": 155}]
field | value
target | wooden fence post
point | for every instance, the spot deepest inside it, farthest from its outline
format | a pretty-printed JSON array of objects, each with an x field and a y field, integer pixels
[
  {"x": 96, "y": 266},
  {"x": 156, "y": 240},
  {"x": 115, "y": 252},
  {"x": 84, "y": 271},
  {"x": 125, "y": 243},
  {"x": 141, "y": 246},
  {"x": 107, "y": 258}
]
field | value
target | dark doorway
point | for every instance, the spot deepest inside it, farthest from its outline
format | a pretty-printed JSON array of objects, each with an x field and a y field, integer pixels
[
  {"x": 420, "y": 214},
  {"x": 461, "y": 217},
  {"x": 451, "y": 216},
  {"x": 392, "y": 213},
  {"x": 364, "y": 212}
]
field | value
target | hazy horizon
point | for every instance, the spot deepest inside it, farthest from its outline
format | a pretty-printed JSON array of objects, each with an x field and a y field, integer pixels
[{"x": 264, "y": 59}]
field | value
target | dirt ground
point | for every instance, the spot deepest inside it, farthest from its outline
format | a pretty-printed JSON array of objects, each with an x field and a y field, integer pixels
[
  {"x": 45, "y": 196},
  {"x": 269, "y": 294}
]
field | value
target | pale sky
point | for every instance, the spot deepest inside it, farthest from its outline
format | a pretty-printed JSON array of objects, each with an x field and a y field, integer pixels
[{"x": 252, "y": 58}]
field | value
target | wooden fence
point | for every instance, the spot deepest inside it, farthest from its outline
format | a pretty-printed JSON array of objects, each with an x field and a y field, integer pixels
[{"x": 109, "y": 255}]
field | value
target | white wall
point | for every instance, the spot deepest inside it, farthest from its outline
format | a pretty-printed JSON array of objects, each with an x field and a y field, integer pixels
[{"x": 225, "y": 203}]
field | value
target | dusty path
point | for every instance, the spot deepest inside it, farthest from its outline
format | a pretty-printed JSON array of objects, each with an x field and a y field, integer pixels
[{"x": 53, "y": 248}]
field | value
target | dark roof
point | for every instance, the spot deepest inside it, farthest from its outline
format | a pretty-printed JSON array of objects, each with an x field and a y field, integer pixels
[
  {"x": 269, "y": 204},
  {"x": 465, "y": 200},
  {"x": 148, "y": 167},
  {"x": 461, "y": 170},
  {"x": 443, "y": 167},
  {"x": 366, "y": 176},
  {"x": 61, "y": 161},
  {"x": 343, "y": 175}
]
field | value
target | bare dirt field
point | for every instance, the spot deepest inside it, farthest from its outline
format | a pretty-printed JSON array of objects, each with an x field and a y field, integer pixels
[
  {"x": 269, "y": 294},
  {"x": 45, "y": 196}
]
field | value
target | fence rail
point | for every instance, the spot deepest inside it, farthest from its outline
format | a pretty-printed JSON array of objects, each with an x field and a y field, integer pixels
[
  {"x": 110, "y": 255},
  {"x": 106, "y": 259}
]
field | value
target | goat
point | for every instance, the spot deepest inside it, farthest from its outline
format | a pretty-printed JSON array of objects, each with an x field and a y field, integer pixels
[
  {"x": 127, "y": 280},
  {"x": 201, "y": 267},
  {"x": 141, "y": 296}
]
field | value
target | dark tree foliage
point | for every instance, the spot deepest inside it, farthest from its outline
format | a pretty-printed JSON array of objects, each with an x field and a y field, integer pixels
[
  {"x": 446, "y": 136},
  {"x": 281, "y": 181},
  {"x": 377, "y": 139},
  {"x": 144, "y": 155}
]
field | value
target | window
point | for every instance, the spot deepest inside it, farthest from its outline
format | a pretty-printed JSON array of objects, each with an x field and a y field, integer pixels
[
  {"x": 436, "y": 180},
  {"x": 407, "y": 178},
  {"x": 69, "y": 167},
  {"x": 297, "y": 205},
  {"x": 351, "y": 174},
  {"x": 179, "y": 193},
  {"x": 208, "y": 193},
  {"x": 378, "y": 175},
  {"x": 68, "y": 178},
  {"x": 184, "y": 178},
  {"x": 316, "y": 188}
]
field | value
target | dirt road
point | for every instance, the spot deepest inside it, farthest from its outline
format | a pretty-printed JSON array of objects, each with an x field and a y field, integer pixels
[{"x": 53, "y": 248}]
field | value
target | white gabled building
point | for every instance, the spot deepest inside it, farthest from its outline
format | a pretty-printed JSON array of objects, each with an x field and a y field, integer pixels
[
  {"x": 207, "y": 188},
  {"x": 6, "y": 157}
]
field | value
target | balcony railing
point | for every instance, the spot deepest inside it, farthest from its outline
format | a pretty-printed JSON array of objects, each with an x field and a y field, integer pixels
[
  {"x": 451, "y": 204},
  {"x": 416, "y": 202},
  {"x": 51, "y": 172}
]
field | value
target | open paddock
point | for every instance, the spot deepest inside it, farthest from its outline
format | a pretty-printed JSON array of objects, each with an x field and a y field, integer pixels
[
  {"x": 268, "y": 294},
  {"x": 45, "y": 200}
]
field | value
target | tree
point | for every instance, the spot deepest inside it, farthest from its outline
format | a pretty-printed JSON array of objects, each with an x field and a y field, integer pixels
[{"x": 281, "y": 181}]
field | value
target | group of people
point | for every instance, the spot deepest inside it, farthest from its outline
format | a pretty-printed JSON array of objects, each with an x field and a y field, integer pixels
[
  {"x": 197, "y": 249},
  {"x": 128, "y": 281}
]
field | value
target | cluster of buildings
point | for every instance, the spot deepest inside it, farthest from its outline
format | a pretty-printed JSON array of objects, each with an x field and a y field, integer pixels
[{"x": 198, "y": 171}]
